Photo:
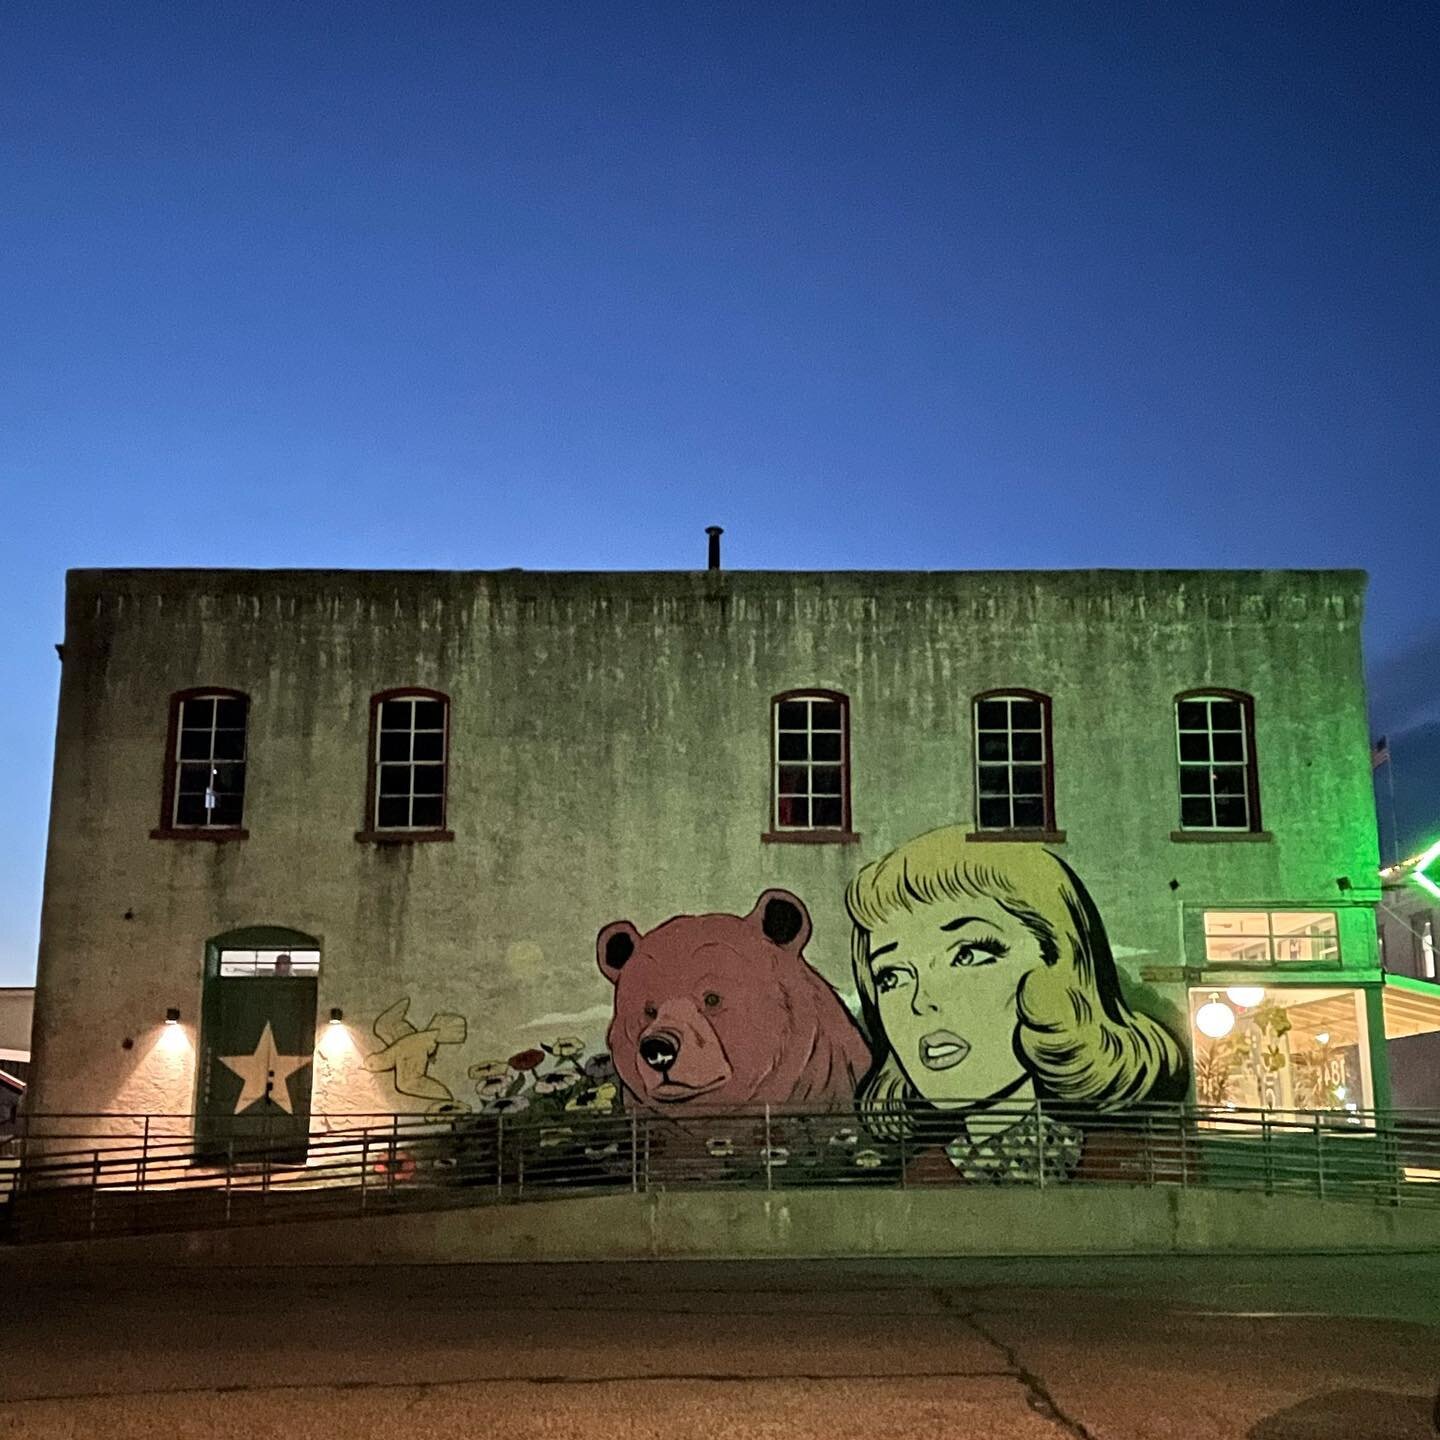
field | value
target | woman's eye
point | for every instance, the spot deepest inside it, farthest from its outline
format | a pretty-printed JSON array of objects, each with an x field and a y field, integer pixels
[
  {"x": 981, "y": 952},
  {"x": 711, "y": 998},
  {"x": 887, "y": 980}
]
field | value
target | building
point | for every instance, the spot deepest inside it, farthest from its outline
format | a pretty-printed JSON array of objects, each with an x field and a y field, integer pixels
[
  {"x": 331, "y": 843},
  {"x": 17, "y": 1003}
]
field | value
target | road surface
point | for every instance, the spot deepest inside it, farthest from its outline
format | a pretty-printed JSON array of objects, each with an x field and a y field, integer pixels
[{"x": 1265, "y": 1348}]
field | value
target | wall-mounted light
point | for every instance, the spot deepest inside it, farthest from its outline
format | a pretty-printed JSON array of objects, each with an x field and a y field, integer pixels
[
  {"x": 336, "y": 1014},
  {"x": 172, "y": 1015}
]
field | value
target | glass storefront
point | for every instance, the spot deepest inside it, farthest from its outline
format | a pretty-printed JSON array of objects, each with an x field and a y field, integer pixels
[{"x": 1280, "y": 1047}]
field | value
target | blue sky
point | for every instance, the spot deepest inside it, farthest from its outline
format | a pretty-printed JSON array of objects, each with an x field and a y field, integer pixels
[{"x": 555, "y": 285}]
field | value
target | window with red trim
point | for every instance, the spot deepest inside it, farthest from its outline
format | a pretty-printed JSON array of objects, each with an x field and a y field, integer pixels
[
  {"x": 205, "y": 767},
  {"x": 409, "y": 761},
  {"x": 1014, "y": 763},
  {"x": 810, "y": 790},
  {"x": 1215, "y": 742}
]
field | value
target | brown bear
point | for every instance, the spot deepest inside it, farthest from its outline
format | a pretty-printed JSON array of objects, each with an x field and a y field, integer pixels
[{"x": 723, "y": 1012}]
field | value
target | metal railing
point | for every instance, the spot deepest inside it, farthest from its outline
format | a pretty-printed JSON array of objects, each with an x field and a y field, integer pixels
[{"x": 68, "y": 1176}]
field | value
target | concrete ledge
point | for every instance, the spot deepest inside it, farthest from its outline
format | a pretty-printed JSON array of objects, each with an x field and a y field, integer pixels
[{"x": 795, "y": 1224}]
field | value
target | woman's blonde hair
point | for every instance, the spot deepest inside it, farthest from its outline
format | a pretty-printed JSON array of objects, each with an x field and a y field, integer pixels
[{"x": 1073, "y": 1030}]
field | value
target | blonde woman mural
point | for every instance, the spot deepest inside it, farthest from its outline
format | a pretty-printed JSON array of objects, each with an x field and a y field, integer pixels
[{"x": 986, "y": 980}]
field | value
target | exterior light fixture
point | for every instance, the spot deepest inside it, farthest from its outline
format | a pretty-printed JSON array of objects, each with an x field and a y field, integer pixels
[
  {"x": 1247, "y": 997},
  {"x": 172, "y": 1015},
  {"x": 1215, "y": 1018},
  {"x": 336, "y": 1014},
  {"x": 1323, "y": 1038},
  {"x": 1424, "y": 863}
]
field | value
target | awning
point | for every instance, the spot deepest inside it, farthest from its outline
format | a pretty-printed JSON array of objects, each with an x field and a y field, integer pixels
[{"x": 1412, "y": 1007}]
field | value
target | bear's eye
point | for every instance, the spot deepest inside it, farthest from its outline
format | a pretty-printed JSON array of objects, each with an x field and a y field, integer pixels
[
  {"x": 711, "y": 998},
  {"x": 651, "y": 1012}
]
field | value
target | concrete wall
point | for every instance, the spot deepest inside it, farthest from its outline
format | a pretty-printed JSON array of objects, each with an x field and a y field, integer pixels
[
  {"x": 610, "y": 758},
  {"x": 1113, "y": 1220}
]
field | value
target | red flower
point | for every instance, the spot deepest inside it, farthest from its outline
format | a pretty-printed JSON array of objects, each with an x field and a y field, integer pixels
[{"x": 527, "y": 1059}]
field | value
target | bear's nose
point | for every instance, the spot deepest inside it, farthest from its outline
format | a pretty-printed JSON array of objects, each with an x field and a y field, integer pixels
[{"x": 659, "y": 1052}]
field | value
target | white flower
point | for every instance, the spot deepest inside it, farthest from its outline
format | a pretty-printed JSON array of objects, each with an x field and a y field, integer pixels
[
  {"x": 720, "y": 1147},
  {"x": 567, "y": 1047},
  {"x": 869, "y": 1159}
]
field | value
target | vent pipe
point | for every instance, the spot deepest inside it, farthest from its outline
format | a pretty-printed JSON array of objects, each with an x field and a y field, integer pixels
[{"x": 714, "y": 532}]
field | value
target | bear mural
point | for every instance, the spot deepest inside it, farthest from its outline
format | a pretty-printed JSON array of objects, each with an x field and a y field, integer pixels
[{"x": 724, "y": 1012}]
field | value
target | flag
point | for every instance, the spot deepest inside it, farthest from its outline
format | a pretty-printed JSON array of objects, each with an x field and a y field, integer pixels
[{"x": 1380, "y": 753}]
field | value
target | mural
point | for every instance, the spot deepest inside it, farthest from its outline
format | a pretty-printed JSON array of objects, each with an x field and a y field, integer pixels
[
  {"x": 724, "y": 1012},
  {"x": 408, "y": 1052},
  {"x": 575, "y": 1084},
  {"x": 985, "y": 975}
]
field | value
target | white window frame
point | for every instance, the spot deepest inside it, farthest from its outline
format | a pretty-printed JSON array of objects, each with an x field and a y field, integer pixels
[
  {"x": 380, "y": 766},
  {"x": 1246, "y": 763},
  {"x": 1271, "y": 940},
  {"x": 1010, "y": 698},
  {"x": 180, "y": 761},
  {"x": 810, "y": 699}
]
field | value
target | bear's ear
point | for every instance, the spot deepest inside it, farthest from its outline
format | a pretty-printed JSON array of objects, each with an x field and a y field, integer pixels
[
  {"x": 783, "y": 919},
  {"x": 614, "y": 945}
]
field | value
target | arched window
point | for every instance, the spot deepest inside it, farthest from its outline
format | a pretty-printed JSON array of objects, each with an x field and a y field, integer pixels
[
  {"x": 1215, "y": 742},
  {"x": 408, "y": 784},
  {"x": 205, "y": 760},
  {"x": 810, "y": 766},
  {"x": 1014, "y": 763}
]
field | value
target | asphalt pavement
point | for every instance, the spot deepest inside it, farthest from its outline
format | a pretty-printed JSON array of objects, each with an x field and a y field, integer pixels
[{"x": 1266, "y": 1348}]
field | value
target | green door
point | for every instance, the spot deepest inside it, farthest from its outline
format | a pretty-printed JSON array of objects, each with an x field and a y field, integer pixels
[{"x": 256, "y": 1062}]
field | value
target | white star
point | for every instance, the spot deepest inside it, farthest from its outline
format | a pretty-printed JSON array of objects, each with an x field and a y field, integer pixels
[{"x": 265, "y": 1073}]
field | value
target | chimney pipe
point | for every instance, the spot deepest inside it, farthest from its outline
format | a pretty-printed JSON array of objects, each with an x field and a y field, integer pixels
[{"x": 714, "y": 532}]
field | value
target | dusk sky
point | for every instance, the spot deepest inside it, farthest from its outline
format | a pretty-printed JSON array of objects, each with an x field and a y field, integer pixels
[{"x": 885, "y": 285}]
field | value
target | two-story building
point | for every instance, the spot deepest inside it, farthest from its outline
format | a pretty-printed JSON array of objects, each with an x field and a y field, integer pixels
[{"x": 329, "y": 843}]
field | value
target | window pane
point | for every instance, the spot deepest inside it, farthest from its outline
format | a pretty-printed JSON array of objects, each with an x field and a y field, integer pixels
[
  {"x": 1194, "y": 779},
  {"x": 429, "y": 744},
  {"x": 428, "y": 810},
  {"x": 1232, "y": 812},
  {"x": 1024, "y": 714},
  {"x": 1192, "y": 715},
  {"x": 1028, "y": 780},
  {"x": 199, "y": 714},
  {"x": 429, "y": 715},
  {"x": 1229, "y": 780},
  {"x": 828, "y": 811},
  {"x": 794, "y": 780},
  {"x": 229, "y": 744},
  {"x": 190, "y": 810},
  {"x": 1304, "y": 922},
  {"x": 229, "y": 778},
  {"x": 994, "y": 780},
  {"x": 794, "y": 715},
  {"x": 429, "y": 779},
  {"x": 1194, "y": 745},
  {"x": 994, "y": 814},
  {"x": 824, "y": 715},
  {"x": 992, "y": 715},
  {"x": 395, "y": 715},
  {"x": 394, "y": 779},
  {"x": 1229, "y": 745},
  {"x": 1224, "y": 715},
  {"x": 227, "y": 810},
  {"x": 1195, "y": 813},
  {"x": 1030, "y": 813},
  {"x": 825, "y": 779},
  {"x": 994, "y": 745},
  {"x": 193, "y": 779},
  {"x": 394, "y": 744},
  {"x": 229, "y": 714},
  {"x": 392, "y": 812},
  {"x": 794, "y": 810},
  {"x": 1028, "y": 745},
  {"x": 792, "y": 746},
  {"x": 194, "y": 744},
  {"x": 825, "y": 745}
]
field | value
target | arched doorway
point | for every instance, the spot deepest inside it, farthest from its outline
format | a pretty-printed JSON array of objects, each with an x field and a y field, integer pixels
[{"x": 257, "y": 1044}]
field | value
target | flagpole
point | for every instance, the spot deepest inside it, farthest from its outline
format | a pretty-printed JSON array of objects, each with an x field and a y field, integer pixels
[{"x": 1390, "y": 786}]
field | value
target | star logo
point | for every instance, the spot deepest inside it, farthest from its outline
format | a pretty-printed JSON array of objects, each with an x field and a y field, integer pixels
[
  {"x": 1426, "y": 863},
  {"x": 265, "y": 1072}
]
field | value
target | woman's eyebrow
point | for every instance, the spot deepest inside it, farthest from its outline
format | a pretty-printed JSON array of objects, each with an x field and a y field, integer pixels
[
  {"x": 883, "y": 950},
  {"x": 964, "y": 920}
]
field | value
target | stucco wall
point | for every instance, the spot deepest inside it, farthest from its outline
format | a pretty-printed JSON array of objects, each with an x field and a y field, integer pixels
[{"x": 610, "y": 758}]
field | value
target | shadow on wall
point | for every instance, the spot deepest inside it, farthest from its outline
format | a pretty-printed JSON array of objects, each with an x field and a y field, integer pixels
[{"x": 1352, "y": 1415}]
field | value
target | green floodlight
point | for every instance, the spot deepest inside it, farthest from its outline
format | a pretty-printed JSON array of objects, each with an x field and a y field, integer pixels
[{"x": 1418, "y": 875}]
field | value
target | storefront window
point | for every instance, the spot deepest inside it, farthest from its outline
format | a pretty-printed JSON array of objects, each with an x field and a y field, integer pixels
[
  {"x": 1282, "y": 1048},
  {"x": 1271, "y": 937}
]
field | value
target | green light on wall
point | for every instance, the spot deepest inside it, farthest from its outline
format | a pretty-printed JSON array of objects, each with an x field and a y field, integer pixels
[{"x": 1418, "y": 875}]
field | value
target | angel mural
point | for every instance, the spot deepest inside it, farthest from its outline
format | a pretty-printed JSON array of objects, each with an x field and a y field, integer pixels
[
  {"x": 408, "y": 1052},
  {"x": 985, "y": 980}
]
